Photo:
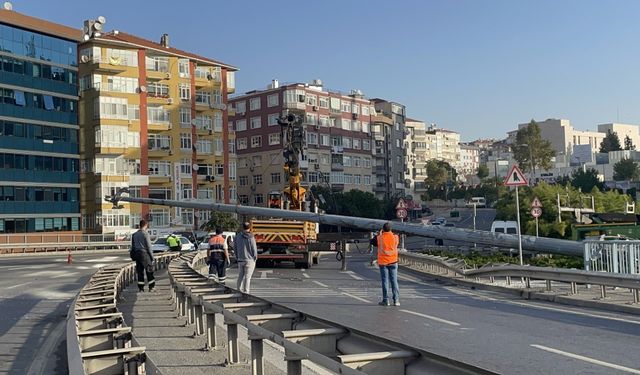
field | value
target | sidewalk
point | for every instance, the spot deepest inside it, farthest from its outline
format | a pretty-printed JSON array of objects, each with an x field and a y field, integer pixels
[{"x": 171, "y": 346}]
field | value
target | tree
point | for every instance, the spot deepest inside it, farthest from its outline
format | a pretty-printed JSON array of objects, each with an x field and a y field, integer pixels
[
  {"x": 224, "y": 220},
  {"x": 628, "y": 143},
  {"x": 611, "y": 142},
  {"x": 625, "y": 169},
  {"x": 585, "y": 180},
  {"x": 483, "y": 172},
  {"x": 439, "y": 173},
  {"x": 531, "y": 150}
]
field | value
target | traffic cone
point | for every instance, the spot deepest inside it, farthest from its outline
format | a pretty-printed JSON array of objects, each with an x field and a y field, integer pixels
[{"x": 69, "y": 258}]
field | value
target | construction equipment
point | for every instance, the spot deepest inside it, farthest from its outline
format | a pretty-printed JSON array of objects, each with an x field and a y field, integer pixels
[{"x": 280, "y": 239}]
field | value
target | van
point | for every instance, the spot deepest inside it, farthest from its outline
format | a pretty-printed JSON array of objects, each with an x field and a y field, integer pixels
[
  {"x": 479, "y": 202},
  {"x": 508, "y": 227}
]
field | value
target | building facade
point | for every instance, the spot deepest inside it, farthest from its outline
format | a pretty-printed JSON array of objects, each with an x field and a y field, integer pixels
[
  {"x": 416, "y": 160},
  {"x": 623, "y": 130},
  {"x": 469, "y": 159},
  {"x": 154, "y": 119},
  {"x": 338, "y": 148},
  {"x": 39, "y": 178},
  {"x": 389, "y": 149}
]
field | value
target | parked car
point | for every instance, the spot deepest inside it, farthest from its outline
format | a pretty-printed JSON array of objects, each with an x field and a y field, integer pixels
[
  {"x": 449, "y": 225},
  {"x": 500, "y": 226},
  {"x": 440, "y": 221},
  {"x": 479, "y": 202},
  {"x": 160, "y": 245}
]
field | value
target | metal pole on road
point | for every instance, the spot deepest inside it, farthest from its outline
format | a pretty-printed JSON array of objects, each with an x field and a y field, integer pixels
[
  {"x": 519, "y": 234},
  {"x": 474, "y": 219}
]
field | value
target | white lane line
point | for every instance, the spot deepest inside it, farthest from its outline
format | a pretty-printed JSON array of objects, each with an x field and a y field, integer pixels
[
  {"x": 263, "y": 274},
  {"x": 432, "y": 318},
  {"x": 587, "y": 359},
  {"x": 356, "y": 297},
  {"x": 15, "y": 286},
  {"x": 305, "y": 275},
  {"x": 541, "y": 307},
  {"x": 353, "y": 275},
  {"x": 321, "y": 284}
]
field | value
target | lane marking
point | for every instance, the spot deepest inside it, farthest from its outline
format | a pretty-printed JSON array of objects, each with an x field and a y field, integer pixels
[
  {"x": 587, "y": 359},
  {"x": 305, "y": 275},
  {"x": 542, "y": 307},
  {"x": 353, "y": 275},
  {"x": 356, "y": 297},
  {"x": 263, "y": 274},
  {"x": 449, "y": 322},
  {"x": 15, "y": 286},
  {"x": 321, "y": 284}
]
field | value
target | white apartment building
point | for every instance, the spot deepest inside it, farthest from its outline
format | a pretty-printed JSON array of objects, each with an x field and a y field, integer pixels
[
  {"x": 469, "y": 160},
  {"x": 416, "y": 160},
  {"x": 623, "y": 130}
]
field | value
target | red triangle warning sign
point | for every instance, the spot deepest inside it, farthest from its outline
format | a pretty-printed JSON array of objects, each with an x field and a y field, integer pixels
[
  {"x": 515, "y": 178},
  {"x": 536, "y": 203}
]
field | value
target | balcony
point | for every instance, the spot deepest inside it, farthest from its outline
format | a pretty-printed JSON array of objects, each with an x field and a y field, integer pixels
[
  {"x": 380, "y": 187},
  {"x": 337, "y": 149},
  {"x": 159, "y": 179},
  {"x": 160, "y": 152},
  {"x": 337, "y": 167},
  {"x": 107, "y": 64},
  {"x": 295, "y": 105}
]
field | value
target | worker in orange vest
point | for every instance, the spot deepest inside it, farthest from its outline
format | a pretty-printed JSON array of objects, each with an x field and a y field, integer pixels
[
  {"x": 387, "y": 244},
  {"x": 218, "y": 257}
]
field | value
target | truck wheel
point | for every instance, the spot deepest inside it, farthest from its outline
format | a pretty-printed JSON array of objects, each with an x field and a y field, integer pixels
[
  {"x": 316, "y": 259},
  {"x": 306, "y": 263}
]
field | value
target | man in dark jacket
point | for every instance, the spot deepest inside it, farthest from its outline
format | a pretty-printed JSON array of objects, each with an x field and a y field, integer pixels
[
  {"x": 246, "y": 254},
  {"x": 142, "y": 254}
]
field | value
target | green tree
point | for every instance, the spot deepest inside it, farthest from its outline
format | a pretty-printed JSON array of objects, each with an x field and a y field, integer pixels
[
  {"x": 625, "y": 169},
  {"x": 439, "y": 173},
  {"x": 585, "y": 180},
  {"x": 611, "y": 142},
  {"x": 361, "y": 204},
  {"x": 531, "y": 150},
  {"x": 483, "y": 172},
  {"x": 628, "y": 143},
  {"x": 224, "y": 220}
]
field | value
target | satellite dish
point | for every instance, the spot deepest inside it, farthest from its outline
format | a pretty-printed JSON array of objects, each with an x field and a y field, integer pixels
[
  {"x": 195, "y": 167},
  {"x": 143, "y": 88},
  {"x": 85, "y": 58},
  {"x": 101, "y": 19},
  {"x": 97, "y": 26},
  {"x": 7, "y": 5}
]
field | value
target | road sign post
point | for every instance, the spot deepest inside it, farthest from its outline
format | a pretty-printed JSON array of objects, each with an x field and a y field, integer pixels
[
  {"x": 515, "y": 178},
  {"x": 401, "y": 213},
  {"x": 536, "y": 211}
]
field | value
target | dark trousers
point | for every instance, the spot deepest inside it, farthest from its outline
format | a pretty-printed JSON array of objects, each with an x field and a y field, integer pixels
[
  {"x": 144, "y": 265},
  {"x": 218, "y": 266}
]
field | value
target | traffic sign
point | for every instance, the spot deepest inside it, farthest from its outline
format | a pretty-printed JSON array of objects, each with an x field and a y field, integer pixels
[
  {"x": 536, "y": 203},
  {"x": 515, "y": 178},
  {"x": 536, "y": 212},
  {"x": 401, "y": 213},
  {"x": 402, "y": 205}
]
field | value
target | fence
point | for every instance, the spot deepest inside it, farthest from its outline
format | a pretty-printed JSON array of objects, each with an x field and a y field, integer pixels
[{"x": 612, "y": 256}]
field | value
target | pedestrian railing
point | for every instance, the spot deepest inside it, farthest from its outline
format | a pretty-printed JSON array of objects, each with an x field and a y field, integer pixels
[
  {"x": 26, "y": 248},
  {"x": 97, "y": 340},
  {"x": 303, "y": 337},
  {"x": 612, "y": 256},
  {"x": 457, "y": 268}
]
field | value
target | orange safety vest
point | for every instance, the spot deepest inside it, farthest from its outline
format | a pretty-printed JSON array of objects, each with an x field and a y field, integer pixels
[
  {"x": 387, "y": 248},
  {"x": 216, "y": 243}
]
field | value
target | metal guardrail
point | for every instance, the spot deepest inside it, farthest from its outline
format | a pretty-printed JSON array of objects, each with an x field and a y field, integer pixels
[
  {"x": 27, "y": 248},
  {"x": 303, "y": 337},
  {"x": 456, "y": 267},
  {"x": 97, "y": 340}
]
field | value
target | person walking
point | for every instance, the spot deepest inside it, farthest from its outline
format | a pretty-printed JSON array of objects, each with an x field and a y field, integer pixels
[
  {"x": 142, "y": 254},
  {"x": 387, "y": 244},
  {"x": 218, "y": 257},
  {"x": 174, "y": 243},
  {"x": 246, "y": 254}
]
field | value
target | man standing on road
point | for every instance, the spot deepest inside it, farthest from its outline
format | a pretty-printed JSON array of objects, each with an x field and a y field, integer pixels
[
  {"x": 174, "y": 243},
  {"x": 387, "y": 244},
  {"x": 218, "y": 256},
  {"x": 142, "y": 254},
  {"x": 246, "y": 254}
]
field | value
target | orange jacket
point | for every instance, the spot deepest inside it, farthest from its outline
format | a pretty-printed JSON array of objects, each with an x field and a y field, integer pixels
[{"x": 387, "y": 248}]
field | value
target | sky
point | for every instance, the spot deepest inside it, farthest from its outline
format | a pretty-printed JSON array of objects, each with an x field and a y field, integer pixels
[{"x": 476, "y": 67}]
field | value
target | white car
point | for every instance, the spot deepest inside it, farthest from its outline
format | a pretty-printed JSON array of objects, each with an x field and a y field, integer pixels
[
  {"x": 160, "y": 245},
  {"x": 228, "y": 236}
]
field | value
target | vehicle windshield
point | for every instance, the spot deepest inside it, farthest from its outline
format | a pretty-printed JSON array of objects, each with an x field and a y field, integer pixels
[
  {"x": 184, "y": 241},
  {"x": 161, "y": 241}
]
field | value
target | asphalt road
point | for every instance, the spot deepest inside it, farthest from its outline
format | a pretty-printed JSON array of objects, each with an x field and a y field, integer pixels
[
  {"x": 499, "y": 332},
  {"x": 35, "y": 294}
]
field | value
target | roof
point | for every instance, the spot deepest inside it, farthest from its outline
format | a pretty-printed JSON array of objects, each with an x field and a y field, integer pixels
[
  {"x": 23, "y": 21},
  {"x": 412, "y": 120},
  {"x": 121, "y": 37}
]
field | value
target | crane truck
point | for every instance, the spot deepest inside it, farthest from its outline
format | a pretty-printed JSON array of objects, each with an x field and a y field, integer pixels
[{"x": 281, "y": 240}]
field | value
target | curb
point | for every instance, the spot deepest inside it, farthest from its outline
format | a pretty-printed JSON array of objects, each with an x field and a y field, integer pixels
[{"x": 538, "y": 294}]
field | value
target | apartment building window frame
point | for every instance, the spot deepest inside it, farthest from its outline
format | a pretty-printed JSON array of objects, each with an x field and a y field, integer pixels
[
  {"x": 323, "y": 102},
  {"x": 185, "y": 117},
  {"x": 272, "y": 119},
  {"x": 186, "y": 141},
  {"x": 241, "y": 125},
  {"x": 258, "y": 199},
  {"x": 256, "y": 122},
  {"x": 276, "y": 178},
  {"x": 183, "y": 68},
  {"x": 243, "y": 180},
  {"x": 241, "y": 106},
  {"x": 203, "y": 97},
  {"x": 256, "y": 141},
  {"x": 241, "y": 143},
  {"x": 312, "y": 138},
  {"x": 325, "y": 140},
  {"x": 274, "y": 139},
  {"x": 273, "y": 100},
  {"x": 257, "y": 179},
  {"x": 184, "y": 89},
  {"x": 366, "y": 144},
  {"x": 311, "y": 119},
  {"x": 157, "y": 63},
  {"x": 365, "y": 110},
  {"x": 312, "y": 100},
  {"x": 254, "y": 104}
]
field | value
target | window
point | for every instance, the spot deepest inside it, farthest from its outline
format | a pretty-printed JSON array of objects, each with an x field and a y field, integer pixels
[
  {"x": 185, "y": 141},
  {"x": 345, "y": 106},
  {"x": 242, "y": 143},
  {"x": 273, "y": 100},
  {"x": 366, "y": 162},
  {"x": 357, "y": 161},
  {"x": 204, "y": 147},
  {"x": 257, "y": 179},
  {"x": 157, "y": 114},
  {"x": 256, "y": 141},
  {"x": 217, "y": 121},
  {"x": 159, "y": 217},
  {"x": 346, "y": 161},
  {"x": 356, "y": 126},
  {"x": 259, "y": 199},
  {"x": 159, "y": 168},
  {"x": 324, "y": 140},
  {"x": 294, "y": 96},
  {"x": 219, "y": 169},
  {"x": 120, "y": 84},
  {"x": 275, "y": 178},
  {"x": 202, "y": 72},
  {"x": 312, "y": 119},
  {"x": 185, "y": 166},
  {"x": 355, "y": 108},
  {"x": 133, "y": 112},
  {"x": 324, "y": 121},
  {"x": 366, "y": 127},
  {"x": 233, "y": 171},
  {"x": 203, "y": 97},
  {"x": 346, "y": 124},
  {"x": 241, "y": 125},
  {"x": 156, "y": 64},
  {"x": 312, "y": 100},
  {"x": 185, "y": 117},
  {"x": 274, "y": 139},
  {"x": 367, "y": 180},
  {"x": 254, "y": 104},
  {"x": 111, "y": 108},
  {"x": 219, "y": 146},
  {"x": 155, "y": 89},
  {"x": 183, "y": 68},
  {"x": 241, "y": 106},
  {"x": 185, "y": 91},
  {"x": 366, "y": 144},
  {"x": 324, "y": 102},
  {"x": 336, "y": 141},
  {"x": 356, "y": 144},
  {"x": 256, "y": 122},
  {"x": 347, "y": 142},
  {"x": 325, "y": 159},
  {"x": 122, "y": 57},
  {"x": 365, "y": 110},
  {"x": 187, "y": 191},
  {"x": 273, "y": 119},
  {"x": 312, "y": 138},
  {"x": 243, "y": 180},
  {"x": 256, "y": 160}
]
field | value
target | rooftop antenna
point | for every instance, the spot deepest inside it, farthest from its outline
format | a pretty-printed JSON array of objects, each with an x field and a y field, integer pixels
[{"x": 7, "y": 5}]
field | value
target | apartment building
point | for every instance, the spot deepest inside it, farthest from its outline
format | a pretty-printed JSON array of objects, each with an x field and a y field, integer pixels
[
  {"x": 338, "y": 149},
  {"x": 154, "y": 119},
  {"x": 389, "y": 149},
  {"x": 39, "y": 178},
  {"x": 622, "y": 130},
  {"x": 443, "y": 144},
  {"x": 416, "y": 160},
  {"x": 469, "y": 159}
]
